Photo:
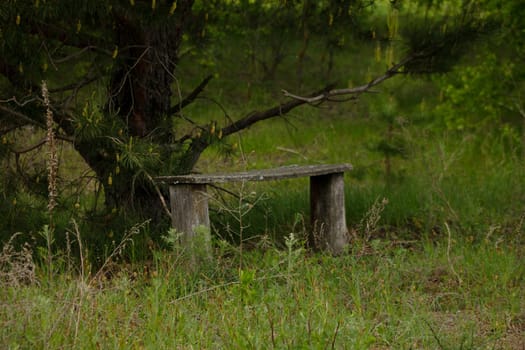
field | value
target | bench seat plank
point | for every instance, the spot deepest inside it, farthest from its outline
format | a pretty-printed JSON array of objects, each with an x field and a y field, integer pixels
[{"x": 291, "y": 171}]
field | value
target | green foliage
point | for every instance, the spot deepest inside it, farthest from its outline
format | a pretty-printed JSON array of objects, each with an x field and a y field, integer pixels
[
  {"x": 485, "y": 91},
  {"x": 245, "y": 290},
  {"x": 483, "y": 95}
]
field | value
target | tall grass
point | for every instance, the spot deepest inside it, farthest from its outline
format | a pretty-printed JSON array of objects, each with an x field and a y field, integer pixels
[
  {"x": 429, "y": 295},
  {"x": 438, "y": 267},
  {"x": 446, "y": 180}
]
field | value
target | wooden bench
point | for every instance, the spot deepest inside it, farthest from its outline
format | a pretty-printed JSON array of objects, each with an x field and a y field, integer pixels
[{"x": 189, "y": 200}]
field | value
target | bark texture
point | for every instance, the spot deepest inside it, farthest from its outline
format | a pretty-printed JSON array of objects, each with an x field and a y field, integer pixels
[{"x": 329, "y": 231}]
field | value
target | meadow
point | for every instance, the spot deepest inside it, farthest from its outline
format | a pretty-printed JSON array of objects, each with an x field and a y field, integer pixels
[
  {"x": 437, "y": 227},
  {"x": 446, "y": 293}
]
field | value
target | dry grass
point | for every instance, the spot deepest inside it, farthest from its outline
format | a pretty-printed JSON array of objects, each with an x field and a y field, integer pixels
[{"x": 17, "y": 267}]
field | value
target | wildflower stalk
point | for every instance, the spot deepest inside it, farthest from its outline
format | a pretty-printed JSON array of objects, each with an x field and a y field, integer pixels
[
  {"x": 52, "y": 170},
  {"x": 52, "y": 163}
]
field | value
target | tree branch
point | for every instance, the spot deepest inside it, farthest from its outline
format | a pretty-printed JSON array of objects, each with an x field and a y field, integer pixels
[
  {"x": 75, "y": 86},
  {"x": 278, "y": 110},
  {"x": 21, "y": 116},
  {"x": 30, "y": 148},
  {"x": 318, "y": 97},
  {"x": 395, "y": 69},
  {"x": 326, "y": 94},
  {"x": 191, "y": 97}
]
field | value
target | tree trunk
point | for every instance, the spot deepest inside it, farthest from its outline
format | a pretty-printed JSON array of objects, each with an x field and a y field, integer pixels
[
  {"x": 140, "y": 88},
  {"x": 140, "y": 91}
]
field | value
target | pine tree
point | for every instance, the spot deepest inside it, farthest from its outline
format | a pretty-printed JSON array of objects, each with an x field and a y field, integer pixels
[{"x": 111, "y": 70}]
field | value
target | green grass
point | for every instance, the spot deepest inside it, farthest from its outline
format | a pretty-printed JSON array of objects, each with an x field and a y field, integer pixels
[
  {"x": 428, "y": 295},
  {"x": 441, "y": 269},
  {"x": 446, "y": 177}
]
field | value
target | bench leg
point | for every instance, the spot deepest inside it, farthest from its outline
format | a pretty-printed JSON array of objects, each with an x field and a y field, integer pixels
[
  {"x": 327, "y": 213},
  {"x": 189, "y": 216}
]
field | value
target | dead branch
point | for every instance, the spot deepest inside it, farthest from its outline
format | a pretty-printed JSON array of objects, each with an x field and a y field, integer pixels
[
  {"x": 21, "y": 104},
  {"x": 191, "y": 97},
  {"x": 323, "y": 95},
  {"x": 159, "y": 193},
  {"x": 278, "y": 110},
  {"x": 75, "y": 86},
  {"x": 30, "y": 148},
  {"x": 327, "y": 96},
  {"x": 21, "y": 116}
]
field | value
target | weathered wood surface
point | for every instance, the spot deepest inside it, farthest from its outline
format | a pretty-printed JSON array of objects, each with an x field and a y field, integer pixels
[
  {"x": 190, "y": 217},
  {"x": 327, "y": 213},
  {"x": 186, "y": 199},
  {"x": 189, "y": 204},
  {"x": 256, "y": 175}
]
